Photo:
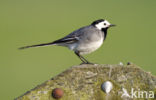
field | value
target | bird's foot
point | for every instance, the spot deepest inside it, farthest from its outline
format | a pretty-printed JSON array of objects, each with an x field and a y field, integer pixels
[
  {"x": 90, "y": 63},
  {"x": 87, "y": 63}
]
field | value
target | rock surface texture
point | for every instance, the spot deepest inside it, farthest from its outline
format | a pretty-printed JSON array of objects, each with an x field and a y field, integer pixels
[{"x": 83, "y": 82}]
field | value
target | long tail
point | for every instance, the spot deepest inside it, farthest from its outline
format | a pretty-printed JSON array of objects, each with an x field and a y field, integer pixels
[
  {"x": 38, "y": 45},
  {"x": 57, "y": 42}
]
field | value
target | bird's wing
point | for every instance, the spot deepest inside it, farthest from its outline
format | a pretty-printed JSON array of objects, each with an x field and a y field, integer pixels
[
  {"x": 65, "y": 40},
  {"x": 72, "y": 37},
  {"x": 86, "y": 32}
]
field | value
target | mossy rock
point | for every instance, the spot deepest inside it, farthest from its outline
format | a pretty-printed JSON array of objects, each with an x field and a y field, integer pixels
[{"x": 83, "y": 82}]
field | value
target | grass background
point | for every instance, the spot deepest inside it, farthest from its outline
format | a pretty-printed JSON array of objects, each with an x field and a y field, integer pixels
[{"x": 26, "y": 22}]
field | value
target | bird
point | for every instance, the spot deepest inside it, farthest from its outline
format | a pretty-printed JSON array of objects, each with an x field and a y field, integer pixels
[{"x": 84, "y": 40}]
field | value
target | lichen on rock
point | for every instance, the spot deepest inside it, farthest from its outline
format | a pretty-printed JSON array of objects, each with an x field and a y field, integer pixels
[{"x": 83, "y": 82}]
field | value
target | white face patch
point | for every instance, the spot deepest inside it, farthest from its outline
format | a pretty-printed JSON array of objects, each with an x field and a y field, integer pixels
[{"x": 103, "y": 24}]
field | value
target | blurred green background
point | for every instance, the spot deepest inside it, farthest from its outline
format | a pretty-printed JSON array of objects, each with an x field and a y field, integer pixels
[{"x": 27, "y": 22}]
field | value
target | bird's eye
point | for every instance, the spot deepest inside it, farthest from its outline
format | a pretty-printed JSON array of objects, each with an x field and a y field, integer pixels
[{"x": 104, "y": 23}]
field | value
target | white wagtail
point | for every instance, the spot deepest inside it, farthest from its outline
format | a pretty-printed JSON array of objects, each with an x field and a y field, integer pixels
[{"x": 84, "y": 40}]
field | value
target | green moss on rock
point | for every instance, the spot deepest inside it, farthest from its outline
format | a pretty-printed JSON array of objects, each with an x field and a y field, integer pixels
[{"x": 83, "y": 82}]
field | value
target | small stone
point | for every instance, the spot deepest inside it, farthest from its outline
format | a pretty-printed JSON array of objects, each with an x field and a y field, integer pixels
[
  {"x": 129, "y": 63},
  {"x": 121, "y": 64},
  {"x": 57, "y": 93},
  {"x": 107, "y": 86}
]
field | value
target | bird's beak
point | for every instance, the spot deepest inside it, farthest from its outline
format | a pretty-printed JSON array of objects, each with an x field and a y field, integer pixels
[{"x": 112, "y": 25}]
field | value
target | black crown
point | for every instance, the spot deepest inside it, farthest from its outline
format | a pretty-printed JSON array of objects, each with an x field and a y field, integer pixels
[{"x": 97, "y": 21}]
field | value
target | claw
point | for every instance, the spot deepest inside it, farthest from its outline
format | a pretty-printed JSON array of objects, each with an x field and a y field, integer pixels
[{"x": 86, "y": 63}]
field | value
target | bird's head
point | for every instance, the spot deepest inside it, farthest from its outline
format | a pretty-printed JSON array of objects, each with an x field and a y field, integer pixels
[{"x": 102, "y": 24}]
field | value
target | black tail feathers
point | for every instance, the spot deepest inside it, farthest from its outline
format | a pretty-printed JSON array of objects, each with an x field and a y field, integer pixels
[{"x": 38, "y": 45}]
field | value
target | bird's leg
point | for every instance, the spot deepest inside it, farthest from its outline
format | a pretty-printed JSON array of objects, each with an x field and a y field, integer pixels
[
  {"x": 82, "y": 58},
  {"x": 87, "y": 62},
  {"x": 83, "y": 62}
]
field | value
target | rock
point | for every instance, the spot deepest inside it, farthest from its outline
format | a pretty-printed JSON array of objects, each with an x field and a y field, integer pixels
[{"x": 83, "y": 82}]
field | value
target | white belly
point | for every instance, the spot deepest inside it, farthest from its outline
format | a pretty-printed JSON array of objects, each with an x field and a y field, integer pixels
[{"x": 89, "y": 47}]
